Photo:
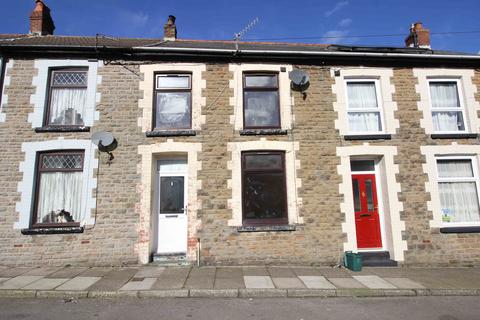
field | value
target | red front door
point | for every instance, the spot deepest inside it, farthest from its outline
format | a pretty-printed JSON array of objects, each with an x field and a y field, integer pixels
[{"x": 365, "y": 203}]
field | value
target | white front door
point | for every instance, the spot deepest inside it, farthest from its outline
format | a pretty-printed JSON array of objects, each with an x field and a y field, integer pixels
[{"x": 172, "y": 206}]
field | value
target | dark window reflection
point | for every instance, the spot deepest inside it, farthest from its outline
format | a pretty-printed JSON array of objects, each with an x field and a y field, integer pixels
[{"x": 171, "y": 194}]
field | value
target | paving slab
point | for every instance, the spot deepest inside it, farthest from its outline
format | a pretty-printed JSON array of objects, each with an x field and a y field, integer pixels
[
  {"x": 255, "y": 271},
  {"x": 306, "y": 271},
  {"x": 460, "y": 278},
  {"x": 229, "y": 283},
  {"x": 334, "y": 272},
  {"x": 46, "y": 284},
  {"x": 145, "y": 284},
  {"x": 19, "y": 282},
  {"x": 316, "y": 282},
  {"x": 3, "y": 279},
  {"x": 288, "y": 283},
  {"x": 281, "y": 272},
  {"x": 346, "y": 283},
  {"x": 96, "y": 272},
  {"x": 114, "y": 280},
  {"x": 78, "y": 284},
  {"x": 229, "y": 272},
  {"x": 429, "y": 278},
  {"x": 201, "y": 278},
  {"x": 41, "y": 271},
  {"x": 13, "y": 272},
  {"x": 172, "y": 278},
  {"x": 366, "y": 271},
  {"x": 258, "y": 282},
  {"x": 404, "y": 283},
  {"x": 374, "y": 282},
  {"x": 149, "y": 272},
  {"x": 67, "y": 272}
]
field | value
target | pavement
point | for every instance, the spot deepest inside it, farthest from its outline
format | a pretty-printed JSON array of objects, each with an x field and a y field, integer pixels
[{"x": 152, "y": 281}]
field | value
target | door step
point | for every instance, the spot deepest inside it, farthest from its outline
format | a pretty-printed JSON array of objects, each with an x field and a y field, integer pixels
[
  {"x": 377, "y": 259},
  {"x": 170, "y": 259}
]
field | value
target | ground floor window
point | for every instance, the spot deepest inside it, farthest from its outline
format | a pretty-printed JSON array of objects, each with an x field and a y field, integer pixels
[
  {"x": 264, "y": 198},
  {"x": 458, "y": 189},
  {"x": 58, "y": 191}
]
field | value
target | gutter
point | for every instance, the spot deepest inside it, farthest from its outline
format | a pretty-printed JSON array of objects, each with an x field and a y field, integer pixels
[{"x": 307, "y": 53}]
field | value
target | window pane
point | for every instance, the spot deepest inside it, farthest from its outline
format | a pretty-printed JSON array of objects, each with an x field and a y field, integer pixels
[
  {"x": 173, "y": 82},
  {"x": 369, "y": 191},
  {"x": 261, "y": 109},
  {"x": 59, "y": 197},
  {"x": 356, "y": 196},
  {"x": 265, "y": 161},
  {"x": 364, "y": 121},
  {"x": 444, "y": 95},
  {"x": 264, "y": 196},
  {"x": 173, "y": 110},
  {"x": 448, "y": 121},
  {"x": 362, "y": 165},
  {"x": 362, "y": 95},
  {"x": 459, "y": 201},
  {"x": 259, "y": 81},
  {"x": 67, "y": 106},
  {"x": 172, "y": 194},
  {"x": 69, "y": 78},
  {"x": 62, "y": 161},
  {"x": 454, "y": 168}
]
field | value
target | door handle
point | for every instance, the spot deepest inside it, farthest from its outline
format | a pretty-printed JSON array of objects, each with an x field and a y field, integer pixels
[{"x": 365, "y": 215}]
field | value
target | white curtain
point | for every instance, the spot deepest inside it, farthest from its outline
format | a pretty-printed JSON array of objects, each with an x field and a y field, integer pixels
[
  {"x": 261, "y": 109},
  {"x": 447, "y": 121},
  {"x": 68, "y": 106},
  {"x": 444, "y": 95},
  {"x": 459, "y": 200},
  {"x": 455, "y": 168},
  {"x": 363, "y": 96},
  {"x": 173, "y": 110},
  {"x": 60, "y": 191}
]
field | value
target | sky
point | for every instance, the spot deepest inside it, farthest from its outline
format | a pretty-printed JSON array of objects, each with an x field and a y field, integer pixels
[{"x": 349, "y": 22}]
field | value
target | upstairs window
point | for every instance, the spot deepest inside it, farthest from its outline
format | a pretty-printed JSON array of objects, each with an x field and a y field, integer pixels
[
  {"x": 59, "y": 189},
  {"x": 458, "y": 189},
  {"x": 264, "y": 188},
  {"x": 364, "y": 113},
  {"x": 2, "y": 75},
  {"x": 173, "y": 101},
  {"x": 67, "y": 97},
  {"x": 447, "y": 110},
  {"x": 261, "y": 101}
]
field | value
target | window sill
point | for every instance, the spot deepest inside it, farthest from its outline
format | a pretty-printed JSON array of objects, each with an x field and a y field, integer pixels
[
  {"x": 52, "y": 230},
  {"x": 469, "y": 229},
  {"x": 263, "y": 132},
  {"x": 62, "y": 129},
  {"x": 454, "y": 136},
  {"x": 272, "y": 228},
  {"x": 368, "y": 137},
  {"x": 170, "y": 133}
]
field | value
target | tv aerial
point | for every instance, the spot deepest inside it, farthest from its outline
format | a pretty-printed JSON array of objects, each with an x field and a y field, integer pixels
[
  {"x": 105, "y": 142},
  {"x": 238, "y": 36}
]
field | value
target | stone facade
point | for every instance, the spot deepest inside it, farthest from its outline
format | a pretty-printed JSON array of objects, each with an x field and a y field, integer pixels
[{"x": 121, "y": 232}]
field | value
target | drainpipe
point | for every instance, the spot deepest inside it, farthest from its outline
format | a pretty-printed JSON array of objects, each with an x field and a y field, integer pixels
[{"x": 198, "y": 252}]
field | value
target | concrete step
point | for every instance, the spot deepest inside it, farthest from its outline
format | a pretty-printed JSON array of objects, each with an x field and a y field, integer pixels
[
  {"x": 170, "y": 259},
  {"x": 377, "y": 259}
]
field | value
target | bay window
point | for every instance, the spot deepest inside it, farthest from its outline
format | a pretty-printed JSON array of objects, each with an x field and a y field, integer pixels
[
  {"x": 364, "y": 112},
  {"x": 447, "y": 109}
]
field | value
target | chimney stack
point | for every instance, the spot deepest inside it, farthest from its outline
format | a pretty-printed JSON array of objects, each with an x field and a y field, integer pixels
[
  {"x": 41, "y": 22},
  {"x": 418, "y": 37},
  {"x": 170, "y": 29}
]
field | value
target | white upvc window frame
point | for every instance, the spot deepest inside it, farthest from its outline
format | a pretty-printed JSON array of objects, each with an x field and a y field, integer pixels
[
  {"x": 460, "y": 99},
  {"x": 475, "y": 178},
  {"x": 379, "y": 108}
]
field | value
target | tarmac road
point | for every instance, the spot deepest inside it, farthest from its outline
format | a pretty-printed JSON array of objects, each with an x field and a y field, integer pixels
[{"x": 434, "y": 308}]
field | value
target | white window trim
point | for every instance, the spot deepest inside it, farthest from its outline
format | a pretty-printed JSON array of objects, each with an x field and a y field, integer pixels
[
  {"x": 379, "y": 108},
  {"x": 432, "y": 153},
  {"x": 286, "y": 100},
  {"x": 197, "y": 85},
  {"x": 6, "y": 82},
  {"x": 461, "y": 100},
  {"x": 467, "y": 91},
  {"x": 294, "y": 202},
  {"x": 26, "y": 187},
  {"x": 386, "y": 91},
  {"x": 40, "y": 82}
]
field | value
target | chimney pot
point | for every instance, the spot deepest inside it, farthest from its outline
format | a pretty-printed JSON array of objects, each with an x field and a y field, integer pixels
[
  {"x": 170, "y": 29},
  {"x": 418, "y": 37},
  {"x": 41, "y": 22}
]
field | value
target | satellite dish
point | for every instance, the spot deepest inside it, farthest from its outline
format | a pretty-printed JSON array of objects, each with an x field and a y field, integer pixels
[
  {"x": 105, "y": 142},
  {"x": 300, "y": 79}
]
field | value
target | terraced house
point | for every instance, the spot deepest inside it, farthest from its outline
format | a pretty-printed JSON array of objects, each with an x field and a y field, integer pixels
[{"x": 232, "y": 152}]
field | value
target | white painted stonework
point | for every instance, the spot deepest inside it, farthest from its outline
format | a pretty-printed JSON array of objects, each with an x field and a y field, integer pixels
[
  {"x": 28, "y": 169},
  {"x": 286, "y": 100},
  {"x": 147, "y": 85},
  {"x": 430, "y": 168},
  {"x": 291, "y": 166},
  {"x": 6, "y": 82},
  {"x": 40, "y": 82},
  {"x": 467, "y": 91},
  {"x": 387, "y": 89},
  {"x": 147, "y": 169},
  {"x": 390, "y": 189}
]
